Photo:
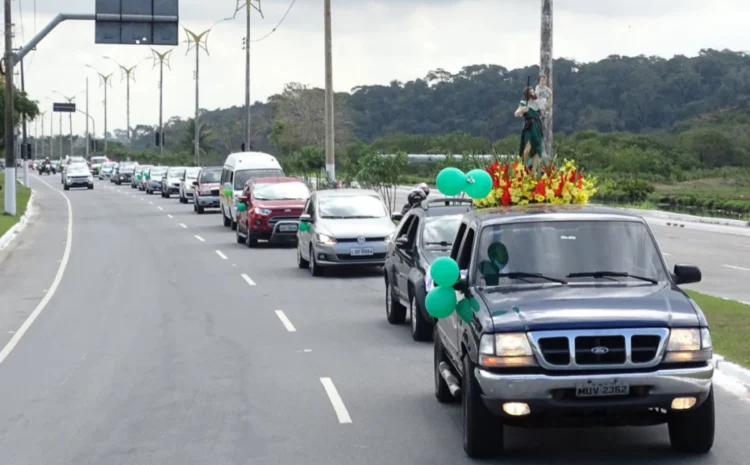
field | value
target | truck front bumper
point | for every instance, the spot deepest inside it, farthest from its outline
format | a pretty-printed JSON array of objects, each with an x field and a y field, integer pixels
[{"x": 548, "y": 394}]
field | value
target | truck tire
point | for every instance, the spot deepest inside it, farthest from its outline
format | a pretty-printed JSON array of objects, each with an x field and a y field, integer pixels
[
  {"x": 483, "y": 433},
  {"x": 442, "y": 392},
  {"x": 692, "y": 431},
  {"x": 395, "y": 312}
]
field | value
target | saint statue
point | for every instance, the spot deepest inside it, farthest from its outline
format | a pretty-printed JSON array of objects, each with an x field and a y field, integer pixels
[{"x": 531, "y": 108}]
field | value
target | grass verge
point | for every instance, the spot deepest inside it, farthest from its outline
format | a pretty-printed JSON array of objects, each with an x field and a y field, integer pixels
[
  {"x": 22, "y": 199},
  {"x": 730, "y": 326}
]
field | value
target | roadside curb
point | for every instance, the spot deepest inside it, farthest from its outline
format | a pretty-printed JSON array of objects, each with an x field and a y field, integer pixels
[
  {"x": 732, "y": 370},
  {"x": 16, "y": 229}
]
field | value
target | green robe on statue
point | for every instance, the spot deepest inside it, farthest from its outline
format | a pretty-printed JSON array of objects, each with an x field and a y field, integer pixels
[{"x": 532, "y": 133}]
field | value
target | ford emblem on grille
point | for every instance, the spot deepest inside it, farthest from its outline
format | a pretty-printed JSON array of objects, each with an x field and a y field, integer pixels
[
  {"x": 360, "y": 240},
  {"x": 287, "y": 210},
  {"x": 599, "y": 350}
]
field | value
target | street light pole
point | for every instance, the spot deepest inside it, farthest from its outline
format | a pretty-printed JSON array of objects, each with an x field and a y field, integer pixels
[
  {"x": 86, "y": 150},
  {"x": 161, "y": 59},
  {"x": 197, "y": 41},
  {"x": 127, "y": 75},
  {"x": 329, "y": 103},
  {"x": 10, "y": 156},
  {"x": 70, "y": 121},
  {"x": 25, "y": 155}
]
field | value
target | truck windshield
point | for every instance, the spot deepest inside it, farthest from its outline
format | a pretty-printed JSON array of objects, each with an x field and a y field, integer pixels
[{"x": 604, "y": 252}]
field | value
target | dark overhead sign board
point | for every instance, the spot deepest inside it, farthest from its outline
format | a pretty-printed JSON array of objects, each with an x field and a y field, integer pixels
[
  {"x": 137, "y": 22},
  {"x": 64, "y": 107}
]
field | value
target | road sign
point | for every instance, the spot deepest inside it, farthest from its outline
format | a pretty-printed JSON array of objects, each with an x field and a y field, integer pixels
[
  {"x": 141, "y": 22},
  {"x": 64, "y": 107}
]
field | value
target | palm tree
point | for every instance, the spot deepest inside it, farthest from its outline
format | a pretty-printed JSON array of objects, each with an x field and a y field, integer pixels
[{"x": 205, "y": 135}]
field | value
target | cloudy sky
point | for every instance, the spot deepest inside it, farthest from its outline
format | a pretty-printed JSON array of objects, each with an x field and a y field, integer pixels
[{"x": 374, "y": 42}]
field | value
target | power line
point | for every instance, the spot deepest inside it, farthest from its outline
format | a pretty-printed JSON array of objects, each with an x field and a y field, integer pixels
[{"x": 277, "y": 24}]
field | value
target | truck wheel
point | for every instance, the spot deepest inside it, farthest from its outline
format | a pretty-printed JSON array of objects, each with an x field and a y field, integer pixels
[
  {"x": 442, "y": 392},
  {"x": 395, "y": 312},
  {"x": 692, "y": 431},
  {"x": 421, "y": 328},
  {"x": 483, "y": 433}
]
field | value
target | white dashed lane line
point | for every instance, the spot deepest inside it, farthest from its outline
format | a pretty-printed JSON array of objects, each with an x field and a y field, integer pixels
[
  {"x": 183, "y": 225},
  {"x": 151, "y": 203},
  {"x": 160, "y": 208},
  {"x": 247, "y": 279},
  {"x": 200, "y": 238},
  {"x": 285, "y": 321},
  {"x": 336, "y": 402},
  {"x": 221, "y": 255},
  {"x": 736, "y": 267},
  {"x": 170, "y": 216}
]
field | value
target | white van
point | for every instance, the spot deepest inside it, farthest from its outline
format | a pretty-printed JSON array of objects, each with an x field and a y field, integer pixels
[{"x": 238, "y": 169}]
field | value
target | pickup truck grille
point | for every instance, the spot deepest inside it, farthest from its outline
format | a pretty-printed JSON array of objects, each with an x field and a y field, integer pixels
[{"x": 599, "y": 349}]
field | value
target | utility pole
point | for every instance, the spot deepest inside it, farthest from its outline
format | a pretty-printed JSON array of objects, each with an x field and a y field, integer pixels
[
  {"x": 330, "y": 155},
  {"x": 25, "y": 155},
  {"x": 86, "y": 150},
  {"x": 546, "y": 69},
  {"x": 161, "y": 59},
  {"x": 60, "y": 137},
  {"x": 41, "y": 120},
  {"x": 10, "y": 156},
  {"x": 197, "y": 42},
  {"x": 248, "y": 11}
]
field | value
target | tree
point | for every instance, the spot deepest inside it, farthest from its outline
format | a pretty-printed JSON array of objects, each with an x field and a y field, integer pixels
[
  {"x": 205, "y": 136},
  {"x": 22, "y": 106}
]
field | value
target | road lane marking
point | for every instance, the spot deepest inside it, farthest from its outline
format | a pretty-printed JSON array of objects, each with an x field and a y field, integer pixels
[
  {"x": 183, "y": 225},
  {"x": 336, "y": 402},
  {"x": 151, "y": 203},
  {"x": 200, "y": 238},
  {"x": 736, "y": 267},
  {"x": 169, "y": 216},
  {"x": 285, "y": 321},
  {"x": 160, "y": 208},
  {"x": 666, "y": 254},
  {"x": 247, "y": 279},
  {"x": 220, "y": 254},
  {"x": 52, "y": 289}
]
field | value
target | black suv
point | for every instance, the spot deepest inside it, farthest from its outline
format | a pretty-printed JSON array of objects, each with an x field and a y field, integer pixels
[
  {"x": 424, "y": 233},
  {"x": 577, "y": 321}
]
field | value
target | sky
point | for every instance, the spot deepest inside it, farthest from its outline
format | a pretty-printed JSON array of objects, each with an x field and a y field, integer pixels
[{"x": 374, "y": 42}]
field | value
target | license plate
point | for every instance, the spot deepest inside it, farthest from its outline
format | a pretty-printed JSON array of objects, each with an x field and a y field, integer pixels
[
  {"x": 287, "y": 227},
  {"x": 361, "y": 252},
  {"x": 602, "y": 389}
]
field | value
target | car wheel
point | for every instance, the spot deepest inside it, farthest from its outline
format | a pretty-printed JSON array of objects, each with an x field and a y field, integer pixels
[
  {"x": 200, "y": 210},
  {"x": 483, "y": 434},
  {"x": 66, "y": 187},
  {"x": 167, "y": 195},
  {"x": 227, "y": 221},
  {"x": 240, "y": 239},
  {"x": 442, "y": 391},
  {"x": 251, "y": 242},
  {"x": 395, "y": 312},
  {"x": 315, "y": 269},
  {"x": 91, "y": 187},
  {"x": 692, "y": 431},
  {"x": 301, "y": 262},
  {"x": 233, "y": 224},
  {"x": 421, "y": 328}
]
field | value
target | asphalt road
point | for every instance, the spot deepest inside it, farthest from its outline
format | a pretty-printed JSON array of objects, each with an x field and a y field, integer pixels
[{"x": 168, "y": 343}]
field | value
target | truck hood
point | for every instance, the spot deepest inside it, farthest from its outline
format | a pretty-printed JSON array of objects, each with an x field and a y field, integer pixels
[{"x": 590, "y": 307}]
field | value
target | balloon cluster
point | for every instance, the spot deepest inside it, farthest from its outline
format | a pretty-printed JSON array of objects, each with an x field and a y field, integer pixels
[
  {"x": 441, "y": 301},
  {"x": 227, "y": 192},
  {"x": 241, "y": 206},
  {"x": 477, "y": 183},
  {"x": 304, "y": 226}
]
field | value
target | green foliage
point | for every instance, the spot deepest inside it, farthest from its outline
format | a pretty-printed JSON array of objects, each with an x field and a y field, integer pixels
[{"x": 22, "y": 107}]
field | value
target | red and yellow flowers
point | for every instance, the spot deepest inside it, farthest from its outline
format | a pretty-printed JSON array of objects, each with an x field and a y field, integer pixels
[{"x": 514, "y": 184}]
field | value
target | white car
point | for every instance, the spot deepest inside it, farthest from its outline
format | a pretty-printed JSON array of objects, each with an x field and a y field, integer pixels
[
  {"x": 187, "y": 189},
  {"x": 78, "y": 175}
]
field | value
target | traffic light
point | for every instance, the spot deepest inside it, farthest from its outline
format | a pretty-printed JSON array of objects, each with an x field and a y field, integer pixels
[{"x": 159, "y": 139}]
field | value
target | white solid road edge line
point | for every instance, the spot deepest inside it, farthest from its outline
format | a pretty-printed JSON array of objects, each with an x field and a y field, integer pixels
[
  {"x": 199, "y": 238},
  {"x": 221, "y": 254},
  {"x": 285, "y": 321},
  {"x": 247, "y": 279},
  {"x": 52, "y": 289},
  {"x": 336, "y": 402}
]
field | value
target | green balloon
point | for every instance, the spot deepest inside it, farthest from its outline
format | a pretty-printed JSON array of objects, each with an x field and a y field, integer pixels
[
  {"x": 303, "y": 226},
  {"x": 241, "y": 206},
  {"x": 146, "y": 175},
  {"x": 466, "y": 309},
  {"x": 227, "y": 192},
  {"x": 444, "y": 271},
  {"x": 441, "y": 302},
  {"x": 451, "y": 181},
  {"x": 138, "y": 177},
  {"x": 482, "y": 185}
]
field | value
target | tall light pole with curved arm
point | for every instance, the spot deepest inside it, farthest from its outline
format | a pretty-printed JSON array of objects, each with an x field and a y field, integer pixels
[
  {"x": 197, "y": 41},
  {"x": 128, "y": 73},
  {"x": 104, "y": 80},
  {"x": 161, "y": 59},
  {"x": 70, "y": 119}
]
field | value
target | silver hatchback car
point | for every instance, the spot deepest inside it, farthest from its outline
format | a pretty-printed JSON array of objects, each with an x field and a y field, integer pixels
[{"x": 346, "y": 227}]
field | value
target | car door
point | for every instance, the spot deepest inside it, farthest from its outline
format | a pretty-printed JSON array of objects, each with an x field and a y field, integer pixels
[
  {"x": 303, "y": 237},
  {"x": 407, "y": 257},
  {"x": 447, "y": 328},
  {"x": 397, "y": 255}
]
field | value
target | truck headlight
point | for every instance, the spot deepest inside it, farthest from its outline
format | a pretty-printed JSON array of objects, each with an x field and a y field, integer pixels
[
  {"x": 689, "y": 345},
  {"x": 506, "y": 350}
]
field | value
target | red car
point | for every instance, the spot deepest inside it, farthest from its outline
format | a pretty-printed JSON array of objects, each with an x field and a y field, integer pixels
[{"x": 274, "y": 206}]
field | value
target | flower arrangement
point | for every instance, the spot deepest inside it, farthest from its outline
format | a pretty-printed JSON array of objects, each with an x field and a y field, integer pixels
[{"x": 514, "y": 184}]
